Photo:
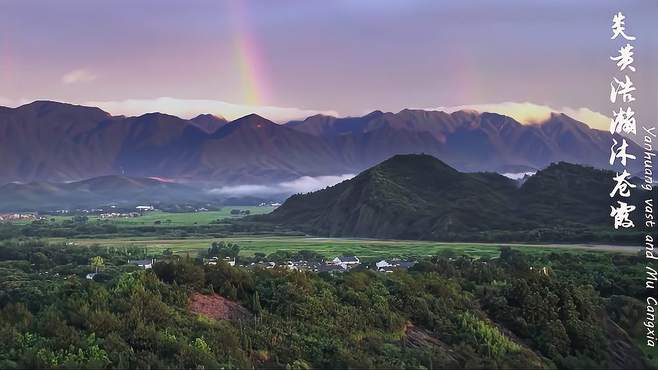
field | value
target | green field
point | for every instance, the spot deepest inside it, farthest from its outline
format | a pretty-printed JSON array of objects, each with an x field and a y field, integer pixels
[
  {"x": 364, "y": 248},
  {"x": 176, "y": 219},
  {"x": 268, "y": 243},
  {"x": 190, "y": 218}
]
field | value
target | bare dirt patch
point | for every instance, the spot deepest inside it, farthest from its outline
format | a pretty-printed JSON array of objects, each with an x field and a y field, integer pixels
[
  {"x": 420, "y": 338},
  {"x": 216, "y": 307}
]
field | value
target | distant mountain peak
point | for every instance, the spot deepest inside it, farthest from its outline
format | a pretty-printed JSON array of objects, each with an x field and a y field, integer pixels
[
  {"x": 49, "y": 103},
  {"x": 492, "y": 115},
  {"x": 252, "y": 120},
  {"x": 374, "y": 114},
  {"x": 156, "y": 116},
  {"x": 44, "y": 107},
  {"x": 317, "y": 116},
  {"x": 408, "y": 110},
  {"x": 251, "y": 116},
  {"x": 208, "y": 116},
  {"x": 252, "y": 125},
  {"x": 209, "y": 123}
]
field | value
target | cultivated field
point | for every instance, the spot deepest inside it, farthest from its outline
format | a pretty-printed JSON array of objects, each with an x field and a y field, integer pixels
[
  {"x": 172, "y": 219},
  {"x": 366, "y": 248},
  {"x": 189, "y": 218},
  {"x": 250, "y": 244}
]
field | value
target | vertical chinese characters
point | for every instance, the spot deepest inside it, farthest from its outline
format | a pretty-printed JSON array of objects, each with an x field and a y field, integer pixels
[{"x": 623, "y": 122}]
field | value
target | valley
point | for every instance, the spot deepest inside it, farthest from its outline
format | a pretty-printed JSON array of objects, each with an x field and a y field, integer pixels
[
  {"x": 122, "y": 285},
  {"x": 162, "y": 218},
  {"x": 331, "y": 247},
  {"x": 327, "y": 185}
]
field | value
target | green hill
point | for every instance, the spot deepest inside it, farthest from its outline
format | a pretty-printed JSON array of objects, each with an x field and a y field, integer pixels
[{"x": 420, "y": 197}]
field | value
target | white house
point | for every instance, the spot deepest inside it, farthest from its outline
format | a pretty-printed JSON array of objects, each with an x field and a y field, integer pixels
[
  {"x": 346, "y": 262},
  {"x": 395, "y": 264},
  {"x": 382, "y": 264},
  {"x": 212, "y": 261},
  {"x": 145, "y": 264}
]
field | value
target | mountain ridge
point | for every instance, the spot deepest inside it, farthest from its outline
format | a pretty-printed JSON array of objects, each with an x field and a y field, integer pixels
[{"x": 51, "y": 141}]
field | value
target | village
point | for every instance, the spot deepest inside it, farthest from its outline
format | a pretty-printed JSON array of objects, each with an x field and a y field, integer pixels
[
  {"x": 336, "y": 265},
  {"x": 100, "y": 213},
  {"x": 13, "y": 217}
]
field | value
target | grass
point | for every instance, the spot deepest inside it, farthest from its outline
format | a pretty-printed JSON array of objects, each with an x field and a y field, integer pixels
[
  {"x": 330, "y": 247},
  {"x": 176, "y": 219},
  {"x": 189, "y": 218},
  {"x": 250, "y": 244}
]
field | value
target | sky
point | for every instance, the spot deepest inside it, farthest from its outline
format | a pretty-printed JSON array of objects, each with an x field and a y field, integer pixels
[{"x": 289, "y": 59}]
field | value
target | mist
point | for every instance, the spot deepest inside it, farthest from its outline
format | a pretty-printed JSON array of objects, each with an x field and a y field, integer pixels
[{"x": 304, "y": 184}]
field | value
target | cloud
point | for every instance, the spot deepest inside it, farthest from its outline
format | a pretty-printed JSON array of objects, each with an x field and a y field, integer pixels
[
  {"x": 304, "y": 184},
  {"x": 529, "y": 113},
  {"x": 6, "y": 102},
  {"x": 189, "y": 108},
  {"x": 78, "y": 76},
  {"x": 518, "y": 175},
  {"x": 524, "y": 112},
  {"x": 13, "y": 103}
]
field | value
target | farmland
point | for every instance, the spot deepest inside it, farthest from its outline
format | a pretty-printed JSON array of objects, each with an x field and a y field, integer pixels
[
  {"x": 41, "y": 261},
  {"x": 189, "y": 233},
  {"x": 250, "y": 244},
  {"x": 156, "y": 218},
  {"x": 189, "y": 218}
]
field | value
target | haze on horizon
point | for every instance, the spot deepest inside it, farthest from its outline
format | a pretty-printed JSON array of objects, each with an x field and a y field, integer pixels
[{"x": 290, "y": 59}]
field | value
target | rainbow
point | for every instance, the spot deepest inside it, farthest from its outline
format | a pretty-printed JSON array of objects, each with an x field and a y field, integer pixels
[
  {"x": 6, "y": 63},
  {"x": 471, "y": 86},
  {"x": 249, "y": 60}
]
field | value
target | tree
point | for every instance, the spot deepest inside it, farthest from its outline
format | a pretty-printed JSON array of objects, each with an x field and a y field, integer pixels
[
  {"x": 40, "y": 260},
  {"x": 80, "y": 219},
  {"x": 259, "y": 255},
  {"x": 223, "y": 249},
  {"x": 96, "y": 262},
  {"x": 255, "y": 304}
]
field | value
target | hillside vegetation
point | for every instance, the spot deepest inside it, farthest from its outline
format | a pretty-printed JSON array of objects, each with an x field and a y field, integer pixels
[
  {"x": 449, "y": 311},
  {"x": 420, "y": 197}
]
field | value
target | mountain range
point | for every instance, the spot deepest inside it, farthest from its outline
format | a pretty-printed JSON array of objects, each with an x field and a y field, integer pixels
[
  {"x": 47, "y": 141},
  {"x": 420, "y": 197}
]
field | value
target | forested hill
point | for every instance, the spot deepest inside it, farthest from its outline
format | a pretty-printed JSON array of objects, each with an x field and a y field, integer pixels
[
  {"x": 420, "y": 197},
  {"x": 517, "y": 311}
]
